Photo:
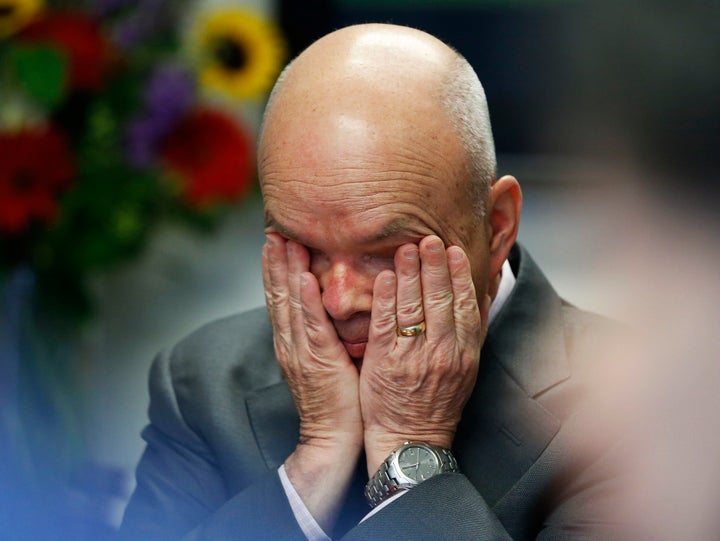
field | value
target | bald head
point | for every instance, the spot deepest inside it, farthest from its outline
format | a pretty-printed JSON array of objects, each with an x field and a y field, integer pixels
[{"x": 382, "y": 78}]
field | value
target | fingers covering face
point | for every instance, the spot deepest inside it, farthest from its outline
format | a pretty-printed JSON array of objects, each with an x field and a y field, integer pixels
[
  {"x": 431, "y": 284},
  {"x": 466, "y": 312},
  {"x": 409, "y": 288},
  {"x": 292, "y": 294},
  {"x": 437, "y": 292},
  {"x": 275, "y": 278}
]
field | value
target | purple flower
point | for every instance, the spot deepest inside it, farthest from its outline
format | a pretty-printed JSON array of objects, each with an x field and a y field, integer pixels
[
  {"x": 169, "y": 95},
  {"x": 171, "y": 89}
]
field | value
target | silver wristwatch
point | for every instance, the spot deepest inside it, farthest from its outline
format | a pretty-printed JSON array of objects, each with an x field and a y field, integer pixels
[{"x": 408, "y": 466}]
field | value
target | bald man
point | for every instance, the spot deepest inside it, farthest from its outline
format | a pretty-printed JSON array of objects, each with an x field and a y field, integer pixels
[{"x": 390, "y": 253}]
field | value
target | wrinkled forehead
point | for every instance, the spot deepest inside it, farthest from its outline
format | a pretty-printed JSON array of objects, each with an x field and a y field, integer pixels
[
  {"x": 350, "y": 145},
  {"x": 356, "y": 215},
  {"x": 362, "y": 127},
  {"x": 346, "y": 178},
  {"x": 353, "y": 111},
  {"x": 347, "y": 156}
]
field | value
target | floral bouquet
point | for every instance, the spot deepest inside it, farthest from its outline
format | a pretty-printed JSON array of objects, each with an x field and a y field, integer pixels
[{"x": 114, "y": 117}]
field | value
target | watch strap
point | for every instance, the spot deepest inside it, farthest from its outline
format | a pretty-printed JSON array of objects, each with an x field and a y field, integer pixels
[{"x": 388, "y": 480}]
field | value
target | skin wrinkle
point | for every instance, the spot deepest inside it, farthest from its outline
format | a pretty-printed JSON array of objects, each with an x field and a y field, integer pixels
[
  {"x": 416, "y": 224},
  {"x": 345, "y": 195},
  {"x": 352, "y": 195},
  {"x": 416, "y": 382},
  {"x": 346, "y": 178},
  {"x": 417, "y": 169},
  {"x": 420, "y": 156},
  {"x": 364, "y": 195},
  {"x": 399, "y": 224},
  {"x": 353, "y": 198}
]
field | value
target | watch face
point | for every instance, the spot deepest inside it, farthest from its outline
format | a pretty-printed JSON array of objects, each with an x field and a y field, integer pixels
[{"x": 418, "y": 463}]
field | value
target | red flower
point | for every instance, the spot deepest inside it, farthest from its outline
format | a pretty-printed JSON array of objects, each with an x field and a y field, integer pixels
[
  {"x": 77, "y": 36},
  {"x": 35, "y": 167},
  {"x": 212, "y": 155}
]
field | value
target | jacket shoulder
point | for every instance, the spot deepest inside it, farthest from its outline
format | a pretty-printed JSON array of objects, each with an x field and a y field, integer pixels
[
  {"x": 588, "y": 334},
  {"x": 236, "y": 350}
]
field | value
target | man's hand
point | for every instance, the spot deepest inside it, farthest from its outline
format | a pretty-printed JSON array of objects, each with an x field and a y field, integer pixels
[
  {"x": 415, "y": 388},
  {"x": 322, "y": 379}
]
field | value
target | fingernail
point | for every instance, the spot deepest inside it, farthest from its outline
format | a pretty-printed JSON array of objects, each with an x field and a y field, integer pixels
[
  {"x": 269, "y": 240},
  {"x": 411, "y": 253},
  {"x": 456, "y": 256},
  {"x": 303, "y": 280},
  {"x": 435, "y": 246}
]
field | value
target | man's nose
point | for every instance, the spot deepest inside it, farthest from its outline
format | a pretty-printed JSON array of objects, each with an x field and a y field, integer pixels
[{"x": 345, "y": 291}]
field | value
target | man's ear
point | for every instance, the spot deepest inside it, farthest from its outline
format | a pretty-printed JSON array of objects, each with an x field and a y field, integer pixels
[{"x": 504, "y": 207}]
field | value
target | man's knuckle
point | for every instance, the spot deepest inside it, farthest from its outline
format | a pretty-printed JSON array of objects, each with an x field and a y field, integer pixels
[
  {"x": 439, "y": 299},
  {"x": 294, "y": 303},
  {"x": 314, "y": 331},
  {"x": 409, "y": 309},
  {"x": 282, "y": 350},
  {"x": 468, "y": 305},
  {"x": 278, "y": 296}
]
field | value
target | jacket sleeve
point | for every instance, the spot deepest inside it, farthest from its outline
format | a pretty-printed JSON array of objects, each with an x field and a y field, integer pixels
[
  {"x": 180, "y": 493},
  {"x": 578, "y": 501},
  {"x": 449, "y": 507},
  {"x": 444, "y": 507}
]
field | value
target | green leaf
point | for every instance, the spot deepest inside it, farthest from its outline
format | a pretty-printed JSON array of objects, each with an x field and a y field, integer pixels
[{"x": 41, "y": 71}]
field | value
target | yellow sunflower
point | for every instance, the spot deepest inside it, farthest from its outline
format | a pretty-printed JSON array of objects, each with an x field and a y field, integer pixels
[
  {"x": 239, "y": 53},
  {"x": 15, "y": 14}
]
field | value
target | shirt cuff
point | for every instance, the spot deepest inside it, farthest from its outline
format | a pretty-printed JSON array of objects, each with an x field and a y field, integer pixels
[
  {"x": 382, "y": 504},
  {"x": 307, "y": 523}
]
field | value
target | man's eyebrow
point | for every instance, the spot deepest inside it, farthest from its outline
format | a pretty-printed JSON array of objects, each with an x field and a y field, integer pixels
[
  {"x": 392, "y": 228},
  {"x": 395, "y": 226},
  {"x": 276, "y": 226}
]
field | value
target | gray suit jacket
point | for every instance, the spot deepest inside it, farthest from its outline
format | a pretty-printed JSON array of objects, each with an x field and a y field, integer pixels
[{"x": 222, "y": 420}]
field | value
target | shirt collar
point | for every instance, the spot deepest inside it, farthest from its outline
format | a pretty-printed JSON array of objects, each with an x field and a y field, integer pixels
[{"x": 507, "y": 281}]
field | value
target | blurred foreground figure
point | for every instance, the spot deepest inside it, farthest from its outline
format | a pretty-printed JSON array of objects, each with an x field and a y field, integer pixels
[
  {"x": 662, "y": 392},
  {"x": 415, "y": 359},
  {"x": 650, "y": 72}
]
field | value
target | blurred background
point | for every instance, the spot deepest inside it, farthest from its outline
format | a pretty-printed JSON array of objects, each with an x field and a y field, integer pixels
[{"x": 130, "y": 213}]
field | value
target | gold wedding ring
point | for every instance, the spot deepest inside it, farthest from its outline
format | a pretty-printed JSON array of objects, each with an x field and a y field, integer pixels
[{"x": 412, "y": 330}]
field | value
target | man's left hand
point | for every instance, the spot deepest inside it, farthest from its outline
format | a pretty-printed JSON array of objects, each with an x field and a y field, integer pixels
[{"x": 414, "y": 388}]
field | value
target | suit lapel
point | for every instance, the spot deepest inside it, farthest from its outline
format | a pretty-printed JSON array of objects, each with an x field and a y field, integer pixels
[
  {"x": 502, "y": 433},
  {"x": 504, "y": 429},
  {"x": 274, "y": 422},
  {"x": 527, "y": 338}
]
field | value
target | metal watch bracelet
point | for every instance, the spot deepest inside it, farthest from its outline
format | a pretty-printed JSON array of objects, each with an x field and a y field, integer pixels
[{"x": 390, "y": 479}]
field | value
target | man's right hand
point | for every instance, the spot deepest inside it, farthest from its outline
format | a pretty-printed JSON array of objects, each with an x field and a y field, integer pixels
[{"x": 322, "y": 378}]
